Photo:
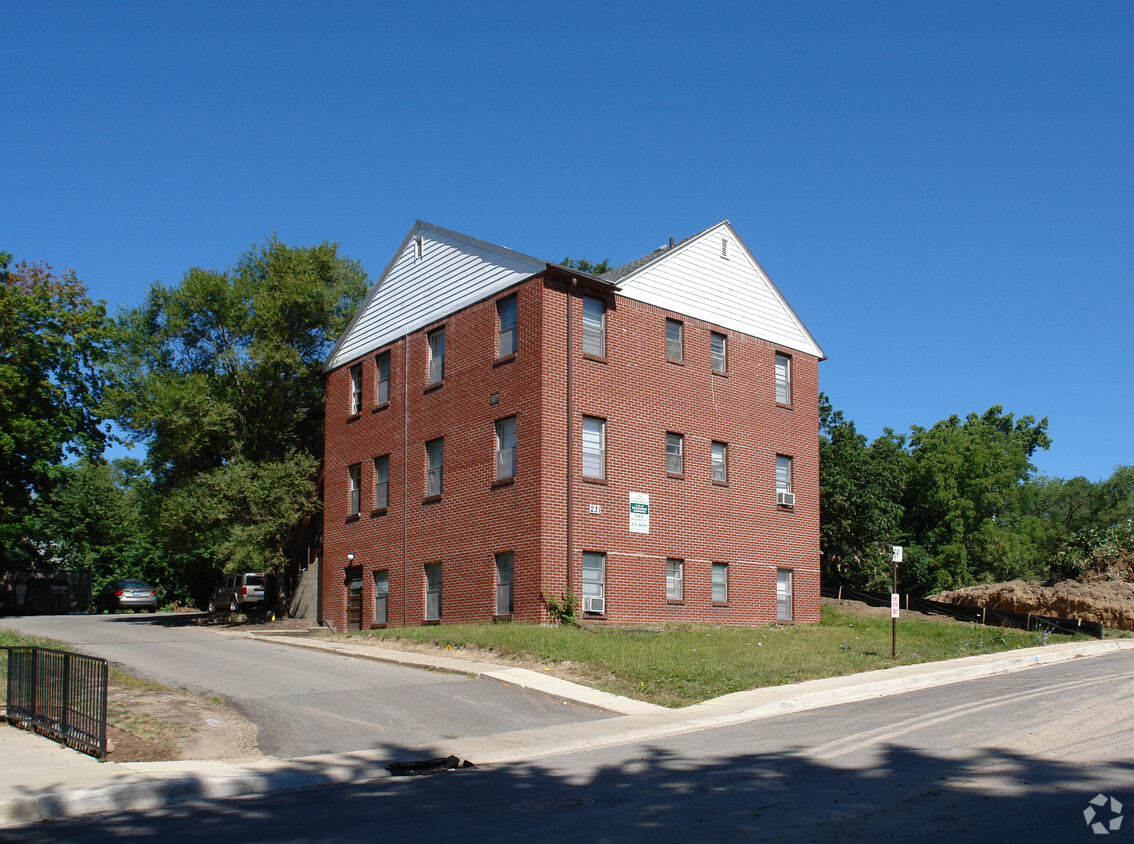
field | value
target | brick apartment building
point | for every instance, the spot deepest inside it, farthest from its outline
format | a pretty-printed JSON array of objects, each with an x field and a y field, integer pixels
[{"x": 498, "y": 426}]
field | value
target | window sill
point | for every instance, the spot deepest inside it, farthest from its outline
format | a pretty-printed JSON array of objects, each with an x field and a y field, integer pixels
[
  {"x": 499, "y": 482},
  {"x": 672, "y": 602},
  {"x": 675, "y": 476},
  {"x": 379, "y": 511},
  {"x": 721, "y": 373},
  {"x": 383, "y": 406},
  {"x": 354, "y": 417},
  {"x": 784, "y": 406},
  {"x": 429, "y": 622},
  {"x": 504, "y": 360},
  {"x": 436, "y": 385},
  {"x": 431, "y": 499},
  {"x": 723, "y": 605},
  {"x": 599, "y": 481},
  {"x": 675, "y": 361},
  {"x": 353, "y": 517},
  {"x": 719, "y": 483},
  {"x": 595, "y": 358},
  {"x": 379, "y": 625},
  {"x": 785, "y": 507}
]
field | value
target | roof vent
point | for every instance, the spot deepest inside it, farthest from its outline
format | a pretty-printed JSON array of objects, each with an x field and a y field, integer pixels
[
  {"x": 724, "y": 248},
  {"x": 671, "y": 243}
]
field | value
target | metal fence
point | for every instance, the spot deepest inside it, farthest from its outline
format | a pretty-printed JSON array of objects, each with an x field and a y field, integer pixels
[{"x": 60, "y": 694}]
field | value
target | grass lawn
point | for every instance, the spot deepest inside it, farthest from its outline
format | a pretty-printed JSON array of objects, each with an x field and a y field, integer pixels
[{"x": 676, "y": 665}]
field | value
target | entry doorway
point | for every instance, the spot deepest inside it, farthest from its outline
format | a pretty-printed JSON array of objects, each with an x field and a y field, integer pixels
[{"x": 354, "y": 597}]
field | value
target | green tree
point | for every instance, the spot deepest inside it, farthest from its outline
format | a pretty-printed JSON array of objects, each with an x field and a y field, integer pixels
[
  {"x": 221, "y": 377},
  {"x": 53, "y": 345},
  {"x": 964, "y": 501},
  {"x": 860, "y": 489},
  {"x": 585, "y": 266}
]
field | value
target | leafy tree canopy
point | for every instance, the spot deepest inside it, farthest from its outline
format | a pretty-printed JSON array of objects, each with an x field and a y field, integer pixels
[
  {"x": 54, "y": 343},
  {"x": 585, "y": 266}
]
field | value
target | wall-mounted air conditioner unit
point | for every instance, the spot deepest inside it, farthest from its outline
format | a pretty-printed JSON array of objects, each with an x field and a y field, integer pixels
[
  {"x": 786, "y": 499},
  {"x": 596, "y": 605}
]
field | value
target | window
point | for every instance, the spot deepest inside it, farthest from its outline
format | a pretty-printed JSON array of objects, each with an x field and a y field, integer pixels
[
  {"x": 594, "y": 327},
  {"x": 355, "y": 474},
  {"x": 718, "y": 352},
  {"x": 382, "y": 482},
  {"x": 433, "y": 591},
  {"x": 673, "y": 328},
  {"x": 356, "y": 388},
  {"x": 783, "y": 594},
  {"x": 720, "y": 583},
  {"x": 382, "y": 386},
  {"x": 720, "y": 462},
  {"x": 594, "y": 582},
  {"x": 434, "y": 459},
  {"x": 783, "y": 473},
  {"x": 436, "y": 356},
  {"x": 381, "y": 595},
  {"x": 504, "y": 583},
  {"x": 505, "y": 448},
  {"x": 673, "y": 580},
  {"x": 783, "y": 378},
  {"x": 594, "y": 447},
  {"x": 674, "y": 456},
  {"x": 506, "y": 326}
]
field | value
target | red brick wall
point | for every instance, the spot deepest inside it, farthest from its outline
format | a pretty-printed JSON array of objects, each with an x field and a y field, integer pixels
[{"x": 641, "y": 396}]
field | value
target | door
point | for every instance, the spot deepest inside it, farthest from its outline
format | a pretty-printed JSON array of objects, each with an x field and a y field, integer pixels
[{"x": 354, "y": 598}]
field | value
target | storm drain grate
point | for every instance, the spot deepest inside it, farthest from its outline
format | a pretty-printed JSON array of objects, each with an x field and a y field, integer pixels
[
  {"x": 554, "y": 804},
  {"x": 427, "y": 766}
]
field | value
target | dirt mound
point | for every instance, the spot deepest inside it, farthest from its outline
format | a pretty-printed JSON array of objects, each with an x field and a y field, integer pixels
[{"x": 1108, "y": 601}]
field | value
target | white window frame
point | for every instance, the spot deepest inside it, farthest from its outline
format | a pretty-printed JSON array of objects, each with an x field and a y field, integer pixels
[
  {"x": 783, "y": 473},
  {"x": 507, "y": 319},
  {"x": 674, "y": 579},
  {"x": 382, "y": 482},
  {"x": 783, "y": 378},
  {"x": 674, "y": 453},
  {"x": 783, "y": 594},
  {"x": 433, "y": 591},
  {"x": 381, "y": 596},
  {"x": 718, "y": 358},
  {"x": 674, "y": 340},
  {"x": 354, "y": 475},
  {"x": 381, "y": 378},
  {"x": 720, "y": 583},
  {"x": 505, "y": 448},
  {"x": 356, "y": 389},
  {"x": 436, "y": 339},
  {"x": 594, "y": 329},
  {"x": 718, "y": 461},
  {"x": 594, "y": 447},
  {"x": 594, "y": 574},
  {"x": 505, "y": 578},
  {"x": 434, "y": 467}
]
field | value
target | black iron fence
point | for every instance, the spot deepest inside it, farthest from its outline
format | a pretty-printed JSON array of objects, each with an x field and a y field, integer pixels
[
  {"x": 60, "y": 694},
  {"x": 977, "y": 615}
]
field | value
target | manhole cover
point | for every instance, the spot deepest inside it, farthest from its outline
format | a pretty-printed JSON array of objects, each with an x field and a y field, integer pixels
[{"x": 554, "y": 804}]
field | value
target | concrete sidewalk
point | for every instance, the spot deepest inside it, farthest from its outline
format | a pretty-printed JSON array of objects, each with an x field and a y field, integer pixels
[{"x": 42, "y": 780}]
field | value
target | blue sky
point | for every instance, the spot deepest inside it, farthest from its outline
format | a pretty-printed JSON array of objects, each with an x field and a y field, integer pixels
[{"x": 944, "y": 192}]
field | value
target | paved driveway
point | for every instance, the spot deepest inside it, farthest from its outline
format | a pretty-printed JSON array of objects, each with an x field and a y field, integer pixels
[{"x": 305, "y": 702}]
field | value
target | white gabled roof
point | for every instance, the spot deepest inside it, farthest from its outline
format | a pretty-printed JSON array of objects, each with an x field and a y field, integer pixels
[
  {"x": 454, "y": 271},
  {"x": 693, "y": 278}
]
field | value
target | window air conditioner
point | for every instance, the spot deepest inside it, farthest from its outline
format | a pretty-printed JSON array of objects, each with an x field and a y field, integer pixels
[
  {"x": 596, "y": 605},
  {"x": 787, "y": 499}
]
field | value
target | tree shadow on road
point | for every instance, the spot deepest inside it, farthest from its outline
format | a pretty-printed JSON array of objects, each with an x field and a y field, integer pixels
[{"x": 648, "y": 794}]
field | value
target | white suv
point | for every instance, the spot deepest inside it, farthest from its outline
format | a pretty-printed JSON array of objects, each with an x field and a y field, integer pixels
[{"x": 238, "y": 592}]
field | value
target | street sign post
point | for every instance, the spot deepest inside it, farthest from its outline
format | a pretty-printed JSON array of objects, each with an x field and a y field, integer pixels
[{"x": 895, "y": 558}]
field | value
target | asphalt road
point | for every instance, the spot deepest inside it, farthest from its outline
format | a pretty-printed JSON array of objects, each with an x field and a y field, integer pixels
[
  {"x": 1017, "y": 757},
  {"x": 303, "y": 702}
]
